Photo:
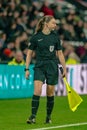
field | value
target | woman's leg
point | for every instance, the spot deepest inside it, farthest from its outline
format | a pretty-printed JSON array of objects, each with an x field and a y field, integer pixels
[
  {"x": 50, "y": 102},
  {"x": 35, "y": 101}
]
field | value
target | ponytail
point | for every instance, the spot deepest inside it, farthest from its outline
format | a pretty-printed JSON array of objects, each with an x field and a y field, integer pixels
[
  {"x": 41, "y": 22},
  {"x": 39, "y": 25}
]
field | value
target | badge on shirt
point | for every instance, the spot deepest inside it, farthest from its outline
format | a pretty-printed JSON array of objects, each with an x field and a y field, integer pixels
[{"x": 51, "y": 48}]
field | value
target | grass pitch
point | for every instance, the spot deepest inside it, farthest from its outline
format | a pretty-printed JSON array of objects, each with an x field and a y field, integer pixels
[{"x": 14, "y": 112}]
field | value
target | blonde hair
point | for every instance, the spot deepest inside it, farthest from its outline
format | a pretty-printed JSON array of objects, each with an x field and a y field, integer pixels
[{"x": 42, "y": 21}]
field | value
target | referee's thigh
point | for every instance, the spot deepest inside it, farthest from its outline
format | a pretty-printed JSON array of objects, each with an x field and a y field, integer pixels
[{"x": 52, "y": 73}]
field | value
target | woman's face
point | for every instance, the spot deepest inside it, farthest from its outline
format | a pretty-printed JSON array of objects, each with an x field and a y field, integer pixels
[{"x": 51, "y": 24}]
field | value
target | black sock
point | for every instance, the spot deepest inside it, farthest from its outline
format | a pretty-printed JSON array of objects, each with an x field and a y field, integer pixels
[
  {"x": 35, "y": 105},
  {"x": 50, "y": 104}
]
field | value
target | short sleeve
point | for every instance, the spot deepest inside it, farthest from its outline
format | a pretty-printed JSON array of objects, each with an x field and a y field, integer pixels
[
  {"x": 58, "y": 44},
  {"x": 32, "y": 43},
  {"x": 57, "y": 41}
]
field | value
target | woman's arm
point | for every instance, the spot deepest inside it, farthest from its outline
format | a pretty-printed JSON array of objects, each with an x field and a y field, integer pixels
[
  {"x": 62, "y": 61},
  {"x": 28, "y": 60}
]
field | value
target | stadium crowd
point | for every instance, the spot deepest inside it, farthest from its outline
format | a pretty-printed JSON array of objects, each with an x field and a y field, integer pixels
[{"x": 18, "y": 19}]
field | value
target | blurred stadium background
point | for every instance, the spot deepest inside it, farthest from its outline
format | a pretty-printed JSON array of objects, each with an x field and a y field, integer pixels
[{"x": 18, "y": 19}]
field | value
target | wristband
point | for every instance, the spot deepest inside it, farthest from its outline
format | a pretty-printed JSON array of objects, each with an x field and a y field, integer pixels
[{"x": 26, "y": 69}]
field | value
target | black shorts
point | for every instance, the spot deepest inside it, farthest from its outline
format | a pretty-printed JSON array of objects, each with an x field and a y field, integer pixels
[{"x": 46, "y": 70}]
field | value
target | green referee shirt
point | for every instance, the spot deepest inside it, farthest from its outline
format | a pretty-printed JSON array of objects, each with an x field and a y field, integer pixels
[{"x": 45, "y": 46}]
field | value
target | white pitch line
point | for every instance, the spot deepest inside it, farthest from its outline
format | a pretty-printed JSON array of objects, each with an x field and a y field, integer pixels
[{"x": 60, "y": 126}]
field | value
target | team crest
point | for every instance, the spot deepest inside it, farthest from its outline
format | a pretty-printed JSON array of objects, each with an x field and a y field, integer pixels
[{"x": 51, "y": 48}]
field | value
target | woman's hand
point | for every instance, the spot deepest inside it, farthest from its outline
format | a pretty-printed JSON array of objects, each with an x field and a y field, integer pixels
[
  {"x": 64, "y": 74},
  {"x": 27, "y": 73}
]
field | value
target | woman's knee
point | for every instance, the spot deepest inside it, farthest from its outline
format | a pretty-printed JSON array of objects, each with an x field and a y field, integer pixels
[
  {"x": 37, "y": 92},
  {"x": 50, "y": 90},
  {"x": 37, "y": 88}
]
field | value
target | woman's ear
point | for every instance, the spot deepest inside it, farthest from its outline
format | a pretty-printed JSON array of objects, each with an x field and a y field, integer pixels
[{"x": 45, "y": 23}]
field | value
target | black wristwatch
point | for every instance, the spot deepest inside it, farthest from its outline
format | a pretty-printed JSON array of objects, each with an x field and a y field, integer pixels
[{"x": 26, "y": 69}]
